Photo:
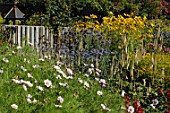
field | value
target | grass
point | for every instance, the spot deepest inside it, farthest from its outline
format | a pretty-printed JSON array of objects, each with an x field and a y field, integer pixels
[{"x": 79, "y": 93}]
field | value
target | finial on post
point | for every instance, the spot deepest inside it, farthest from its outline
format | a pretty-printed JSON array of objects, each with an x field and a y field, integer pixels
[{"x": 15, "y": 2}]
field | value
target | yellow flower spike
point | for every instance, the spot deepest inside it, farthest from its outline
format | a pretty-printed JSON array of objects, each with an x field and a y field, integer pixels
[{"x": 144, "y": 18}]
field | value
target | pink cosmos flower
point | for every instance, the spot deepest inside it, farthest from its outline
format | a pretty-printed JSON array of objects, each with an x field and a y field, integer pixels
[
  {"x": 60, "y": 99},
  {"x": 69, "y": 71},
  {"x": 47, "y": 82},
  {"x": 131, "y": 109},
  {"x": 39, "y": 88},
  {"x": 14, "y": 106},
  {"x": 100, "y": 93}
]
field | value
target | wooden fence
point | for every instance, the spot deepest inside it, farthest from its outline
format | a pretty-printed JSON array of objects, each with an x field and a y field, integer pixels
[{"x": 21, "y": 34}]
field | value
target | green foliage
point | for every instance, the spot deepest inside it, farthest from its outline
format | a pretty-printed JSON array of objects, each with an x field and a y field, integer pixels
[{"x": 59, "y": 12}]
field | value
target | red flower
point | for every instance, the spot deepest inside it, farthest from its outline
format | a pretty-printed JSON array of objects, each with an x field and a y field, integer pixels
[
  {"x": 127, "y": 103},
  {"x": 140, "y": 110},
  {"x": 136, "y": 105},
  {"x": 126, "y": 97},
  {"x": 168, "y": 93}
]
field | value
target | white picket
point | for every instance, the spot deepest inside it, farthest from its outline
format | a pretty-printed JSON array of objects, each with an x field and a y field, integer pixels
[
  {"x": 30, "y": 34},
  {"x": 23, "y": 36},
  {"x": 19, "y": 36},
  {"x": 37, "y": 37}
]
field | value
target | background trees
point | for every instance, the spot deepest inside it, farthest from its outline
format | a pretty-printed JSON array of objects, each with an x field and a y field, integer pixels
[{"x": 64, "y": 12}]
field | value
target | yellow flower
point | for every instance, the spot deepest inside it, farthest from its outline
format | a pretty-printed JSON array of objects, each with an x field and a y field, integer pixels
[
  {"x": 127, "y": 15},
  {"x": 97, "y": 22},
  {"x": 150, "y": 35},
  {"x": 152, "y": 25},
  {"x": 87, "y": 17},
  {"x": 93, "y": 16}
]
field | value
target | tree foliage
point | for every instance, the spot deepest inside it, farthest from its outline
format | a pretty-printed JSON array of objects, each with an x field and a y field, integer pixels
[{"x": 64, "y": 12}]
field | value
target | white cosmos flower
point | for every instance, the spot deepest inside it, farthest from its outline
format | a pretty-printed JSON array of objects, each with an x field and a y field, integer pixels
[
  {"x": 152, "y": 106},
  {"x": 16, "y": 81},
  {"x": 86, "y": 85},
  {"x": 28, "y": 61},
  {"x": 69, "y": 77},
  {"x": 35, "y": 66},
  {"x": 105, "y": 108},
  {"x": 86, "y": 75},
  {"x": 28, "y": 83},
  {"x": 123, "y": 93},
  {"x": 25, "y": 60},
  {"x": 22, "y": 68},
  {"x": 35, "y": 101},
  {"x": 100, "y": 93},
  {"x": 58, "y": 106},
  {"x": 57, "y": 67},
  {"x": 14, "y": 106},
  {"x": 102, "y": 81},
  {"x": 80, "y": 80},
  {"x": 29, "y": 100},
  {"x": 41, "y": 59},
  {"x": 97, "y": 79},
  {"x": 13, "y": 52},
  {"x": 90, "y": 70},
  {"x": 40, "y": 88},
  {"x": 24, "y": 87},
  {"x": 29, "y": 75},
  {"x": 29, "y": 96},
  {"x": 92, "y": 65},
  {"x": 60, "y": 99},
  {"x": 131, "y": 109},
  {"x": 5, "y": 60},
  {"x": 63, "y": 84},
  {"x": 47, "y": 82},
  {"x": 63, "y": 74},
  {"x": 58, "y": 77},
  {"x": 97, "y": 73},
  {"x": 85, "y": 64},
  {"x": 98, "y": 70},
  {"x": 69, "y": 71}
]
